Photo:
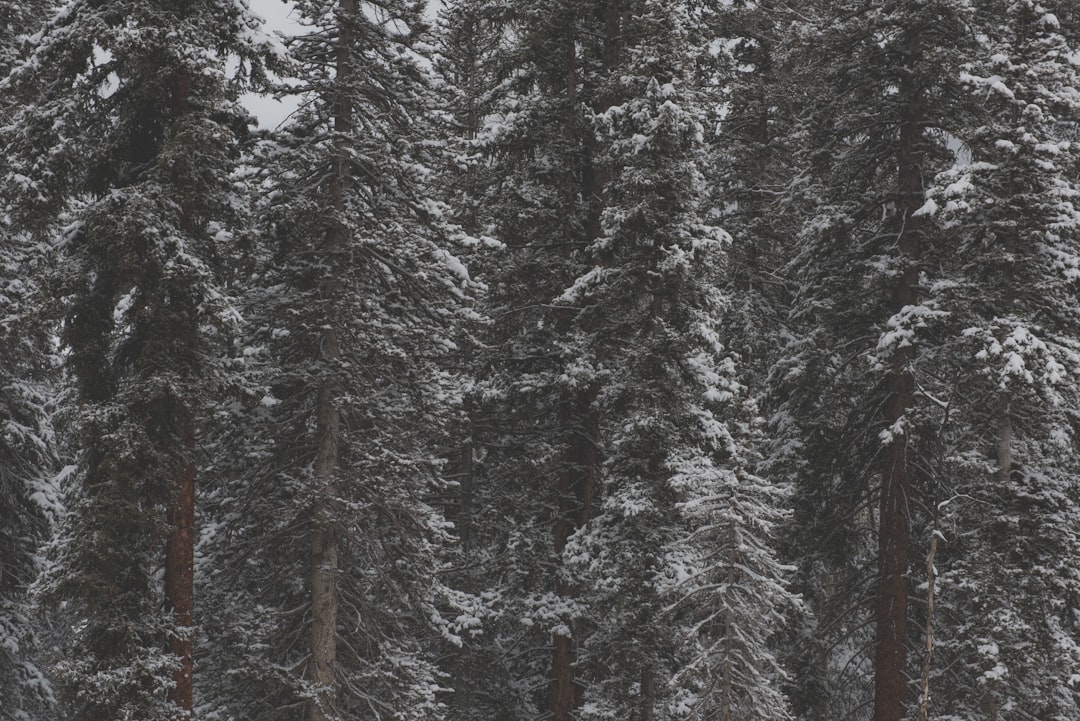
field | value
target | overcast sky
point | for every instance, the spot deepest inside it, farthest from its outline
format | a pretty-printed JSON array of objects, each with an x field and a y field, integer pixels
[
  {"x": 271, "y": 112},
  {"x": 276, "y": 13}
]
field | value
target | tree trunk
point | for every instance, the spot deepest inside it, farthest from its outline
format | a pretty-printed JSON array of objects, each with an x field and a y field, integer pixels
[
  {"x": 577, "y": 488},
  {"x": 890, "y": 667},
  {"x": 324, "y": 553},
  {"x": 325, "y": 540},
  {"x": 1004, "y": 449},
  {"x": 928, "y": 653},
  {"x": 180, "y": 578},
  {"x": 727, "y": 680},
  {"x": 180, "y": 546},
  {"x": 648, "y": 694}
]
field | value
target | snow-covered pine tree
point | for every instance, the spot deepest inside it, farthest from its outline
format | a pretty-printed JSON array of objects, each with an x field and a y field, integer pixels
[
  {"x": 1007, "y": 628},
  {"x": 29, "y": 499},
  {"x": 856, "y": 427},
  {"x": 756, "y": 138},
  {"x": 534, "y": 422},
  {"x": 471, "y": 38},
  {"x": 127, "y": 126},
  {"x": 676, "y": 563},
  {"x": 471, "y": 41},
  {"x": 330, "y": 540},
  {"x": 599, "y": 197},
  {"x": 28, "y": 447}
]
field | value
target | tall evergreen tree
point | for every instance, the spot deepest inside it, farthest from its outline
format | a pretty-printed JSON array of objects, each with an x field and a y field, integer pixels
[
  {"x": 28, "y": 444},
  {"x": 677, "y": 558},
  {"x": 536, "y": 427},
  {"x": 1007, "y": 634},
  {"x": 859, "y": 430},
  {"x": 471, "y": 39},
  {"x": 339, "y": 552},
  {"x": 604, "y": 345},
  {"x": 132, "y": 102}
]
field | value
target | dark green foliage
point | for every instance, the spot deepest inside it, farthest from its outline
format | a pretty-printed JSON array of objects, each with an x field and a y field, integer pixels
[
  {"x": 1009, "y": 590},
  {"x": 132, "y": 106},
  {"x": 28, "y": 442},
  {"x": 356, "y": 256}
]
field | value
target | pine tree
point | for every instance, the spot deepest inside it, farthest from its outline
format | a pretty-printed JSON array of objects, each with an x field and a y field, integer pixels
[
  {"x": 29, "y": 447},
  {"x": 850, "y": 391},
  {"x": 1008, "y": 587},
  {"x": 535, "y": 428},
  {"x": 605, "y": 336},
  {"x": 29, "y": 466},
  {"x": 470, "y": 44},
  {"x": 675, "y": 609},
  {"x": 132, "y": 102},
  {"x": 29, "y": 499},
  {"x": 338, "y": 552}
]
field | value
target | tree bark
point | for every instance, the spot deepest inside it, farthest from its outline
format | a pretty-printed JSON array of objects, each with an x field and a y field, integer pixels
[
  {"x": 577, "y": 482},
  {"x": 1004, "y": 449},
  {"x": 325, "y": 539},
  {"x": 890, "y": 666},
  {"x": 324, "y": 554},
  {"x": 648, "y": 694},
  {"x": 180, "y": 578},
  {"x": 928, "y": 653},
  {"x": 180, "y": 546}
]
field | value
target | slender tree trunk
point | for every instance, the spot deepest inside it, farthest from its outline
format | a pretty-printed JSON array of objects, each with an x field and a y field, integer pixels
[
  {"x": 562, "y": 660},
  {"x": 1004, "y": 448},
  {"x": 727, "y": 680},
  {"x": 928, "y": 652},
  {"x": 890, "y": 667},
  {"x": 648, "y": 694},
  {"x": 324, "y": 553},
  {"x": 180, "y": 546},
  {"x": 180, "y": 577},
  {"x": 562, "y": 693},
  {"x": 325, "y": 539},
  {"x": 577, "y": 488}
]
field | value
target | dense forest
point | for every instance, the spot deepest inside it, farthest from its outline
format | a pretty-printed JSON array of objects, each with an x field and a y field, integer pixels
[{"x": 567, "y": 360}]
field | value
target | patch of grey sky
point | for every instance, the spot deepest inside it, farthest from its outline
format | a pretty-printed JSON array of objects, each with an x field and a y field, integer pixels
[{"x": 279, "y": 18}]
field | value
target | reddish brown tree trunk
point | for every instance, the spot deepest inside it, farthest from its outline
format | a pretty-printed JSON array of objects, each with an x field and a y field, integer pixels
[
  {"x": 890, "y": 663},
  {"x": 325, "y": 542},
  {"x": 180, "y": 578},
  {"x": 324, "y": 552},
  {"x": 180, "y": 546},
  {"x": 578, "y": 479},
  {"x": 648, "y": 694},
  {"x": 577, "y": 488}
]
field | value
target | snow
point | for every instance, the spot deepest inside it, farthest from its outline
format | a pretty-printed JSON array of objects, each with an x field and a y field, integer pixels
[
  {"x": 123, "y": 306},
  {"x": 928, "y": 208},
  {"x": 903, "y": 327}
]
